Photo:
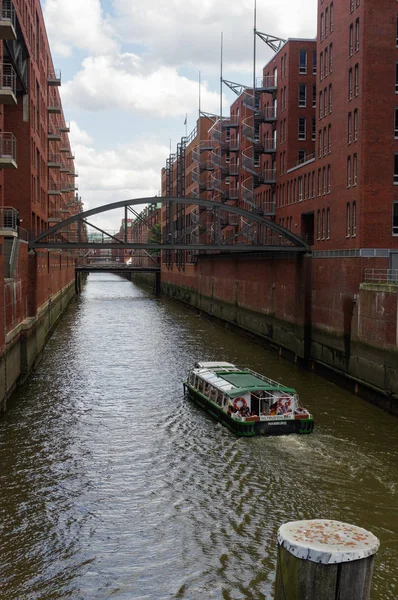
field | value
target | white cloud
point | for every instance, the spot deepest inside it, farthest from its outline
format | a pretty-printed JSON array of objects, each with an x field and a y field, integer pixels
[
  {"x": 129, "y": 171},
  {"x": 78, "y": 136},
  {"x": 80, "y": 24},
  {"x": 183, "y": 32},
  {"x": 123, "y": 82}
]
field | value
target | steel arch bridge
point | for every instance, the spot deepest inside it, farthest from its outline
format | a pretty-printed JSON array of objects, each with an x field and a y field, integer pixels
[{"x": 192, "y": 224}]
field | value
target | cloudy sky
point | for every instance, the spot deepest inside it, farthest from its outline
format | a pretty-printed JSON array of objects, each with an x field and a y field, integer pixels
[{"x": 130, "y": 75}]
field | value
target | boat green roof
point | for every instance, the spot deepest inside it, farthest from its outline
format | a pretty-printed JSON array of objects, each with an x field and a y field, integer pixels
[{"x": 244, "y": 382}]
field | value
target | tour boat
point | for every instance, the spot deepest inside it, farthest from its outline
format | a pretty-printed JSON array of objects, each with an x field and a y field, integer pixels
[{"x": 246, "y": 402}]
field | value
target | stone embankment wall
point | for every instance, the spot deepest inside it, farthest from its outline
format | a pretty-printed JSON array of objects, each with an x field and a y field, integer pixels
[
  {"x": 31, "y": 304},
  {"x": 339, "y": 327}
]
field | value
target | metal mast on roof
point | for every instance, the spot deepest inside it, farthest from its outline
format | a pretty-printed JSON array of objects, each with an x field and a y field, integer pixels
[
  {"x": 254, "y": 51},
  {"x": 221, "y": 80}
]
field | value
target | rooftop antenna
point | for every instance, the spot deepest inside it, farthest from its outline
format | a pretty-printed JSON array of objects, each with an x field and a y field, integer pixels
[
  {"x": 199, "y": 108},
  {"x": 221, "y": 79},
  {"x": 254, "y": 51}
]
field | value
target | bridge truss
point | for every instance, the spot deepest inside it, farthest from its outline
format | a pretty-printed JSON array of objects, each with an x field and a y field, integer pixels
[{"x": 193, "y": 224}]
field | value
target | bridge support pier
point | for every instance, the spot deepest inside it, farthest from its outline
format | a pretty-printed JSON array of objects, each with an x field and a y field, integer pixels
[
  {"x": 78, "y": 287},
  {"x": 157, "y": 284}
]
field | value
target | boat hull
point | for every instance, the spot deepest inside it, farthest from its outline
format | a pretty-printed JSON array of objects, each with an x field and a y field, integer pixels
[{"x": 249, "y": 428}]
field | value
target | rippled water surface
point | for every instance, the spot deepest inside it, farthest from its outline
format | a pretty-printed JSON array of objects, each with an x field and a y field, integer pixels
[{"x": 114, "y": 486}]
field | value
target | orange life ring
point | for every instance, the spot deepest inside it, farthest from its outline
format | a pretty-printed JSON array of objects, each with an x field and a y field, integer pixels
[{"x": 242, "y": 404}]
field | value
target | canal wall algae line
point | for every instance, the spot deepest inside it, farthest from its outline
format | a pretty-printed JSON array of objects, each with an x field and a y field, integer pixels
[
  {"x": 278, "y": 305},
  {"x": 25, "y": 343}
]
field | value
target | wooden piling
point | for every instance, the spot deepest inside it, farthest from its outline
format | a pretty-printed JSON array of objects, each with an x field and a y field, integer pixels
[{"x": 324, "y": 560}]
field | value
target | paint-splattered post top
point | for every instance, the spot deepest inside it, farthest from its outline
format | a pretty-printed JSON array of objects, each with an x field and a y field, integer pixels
[{"x": 327, "y": 542}]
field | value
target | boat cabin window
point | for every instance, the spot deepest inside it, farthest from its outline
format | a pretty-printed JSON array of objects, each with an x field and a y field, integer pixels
[
  {"x": 200, "y": 384},
  {"x": 213, "y": 394}
]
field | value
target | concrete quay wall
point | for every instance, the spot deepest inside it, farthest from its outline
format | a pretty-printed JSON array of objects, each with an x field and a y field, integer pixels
[
  {"x": 24, "y": 344},
  {"x": 346, "y": 331}
]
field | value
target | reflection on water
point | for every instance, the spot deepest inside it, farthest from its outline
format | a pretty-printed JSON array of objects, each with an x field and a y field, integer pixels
[{"x": 114, "y": 486}]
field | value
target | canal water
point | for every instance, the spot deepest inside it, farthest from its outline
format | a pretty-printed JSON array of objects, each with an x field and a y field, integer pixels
[{"x": 112, "y": 485}]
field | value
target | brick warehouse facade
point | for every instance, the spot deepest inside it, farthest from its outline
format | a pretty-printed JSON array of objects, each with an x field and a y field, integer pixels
[
  {"x": 37, "y": 189},
  {"x": 316, "y": 151}
]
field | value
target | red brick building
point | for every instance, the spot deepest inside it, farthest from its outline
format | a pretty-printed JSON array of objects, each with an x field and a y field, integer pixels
[
  {"x": 315, "y": 148},
  {"x": 37, "y": 188}
]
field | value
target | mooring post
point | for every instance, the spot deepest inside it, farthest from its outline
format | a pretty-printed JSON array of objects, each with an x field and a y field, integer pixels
[{"x": 324, "y": 560}]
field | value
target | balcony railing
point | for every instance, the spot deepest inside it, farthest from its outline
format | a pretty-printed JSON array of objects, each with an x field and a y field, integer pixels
[
  {"x": 54, "y": 161},
  {"x": 8, "y": 219},
  {"x": 8, "y": 21},
  {"x": 305, "y": 159},
  {"x": 266, "y": 84},
  {"x": 268, "y": 114},
  {"x": 230, "y": 194},
  {"x": 232, "y": 169},
  {"x": 54, "y": 104},
  {"x": 8, "y": 84},
  {"x": 232, "y": 121},
  {"x": 54, "y": 133},
  {"x": 8, "y": 151},
  {"x": 382, "y": 276},
  {"x": 54, "y": 77},
  {"x": 268, "y": 176},
  {"x": 233, "y": 145},
  {"x": 54, "y": 188}
]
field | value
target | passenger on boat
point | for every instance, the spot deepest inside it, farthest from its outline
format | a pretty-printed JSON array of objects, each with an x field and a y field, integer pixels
[{"x": 273, "y": 409}]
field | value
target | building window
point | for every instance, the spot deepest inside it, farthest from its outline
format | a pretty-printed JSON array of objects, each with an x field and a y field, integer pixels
[
  {"x": 320, "y": 105},
  {"x": 396, "y": 78},
  {"x": 349, "y": 128},
  {"x": 301, "y": 156},
  {"x": 324, "y": 141},
  {"x": 355, "y": 125},
  {"x": 319, "y": 182},
  {"x": 348, "y": 220},
  {"x": 324, "y": 180},
  {"x": 331, "y": 16},
  {"x": 323, "y": 223},
  {"x": 396, "y": 34},
  {"x": 354, "y": 219},
  {"x": 303, "y": 62},
  {"x": 356, "y": 80},
  {"x": 329, "y": 178},
  {"x": 313, "y": 135},
  {"x": 322, "y": 27},
  {"x": 330, "y": 98},
  {"x": 354, "y": 169},
  {"x": 349, "y": 171},
  {"x": 351, "y": 41},
  {"x": 326, "y": 22},
  {"x": 314, "y": 60},
  {"x": 395, "y": 218},
  {"x": 300, "y": 189},
  {"x": 351, "y": 6},
  {"x": 302, "y": 95},
  {"x": 328, "y": 224},
  {"x": 325, "y": 101},
  {"x": 318, "y": 225},
  {"x": 314, "y": 96},
  {"x": 326, "y": 62},
  {"x": 357, "y": 35},
  {"x": 329, "y": 139},
  {"x": 320, "y": 144},
  {"x": 330, "y": 58},
  {"x": 350, "y": 83},
  {"x": 395, "y": 169},
  {"x": 302, "y": 128},
  {"x": 321, "y": 66}
]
